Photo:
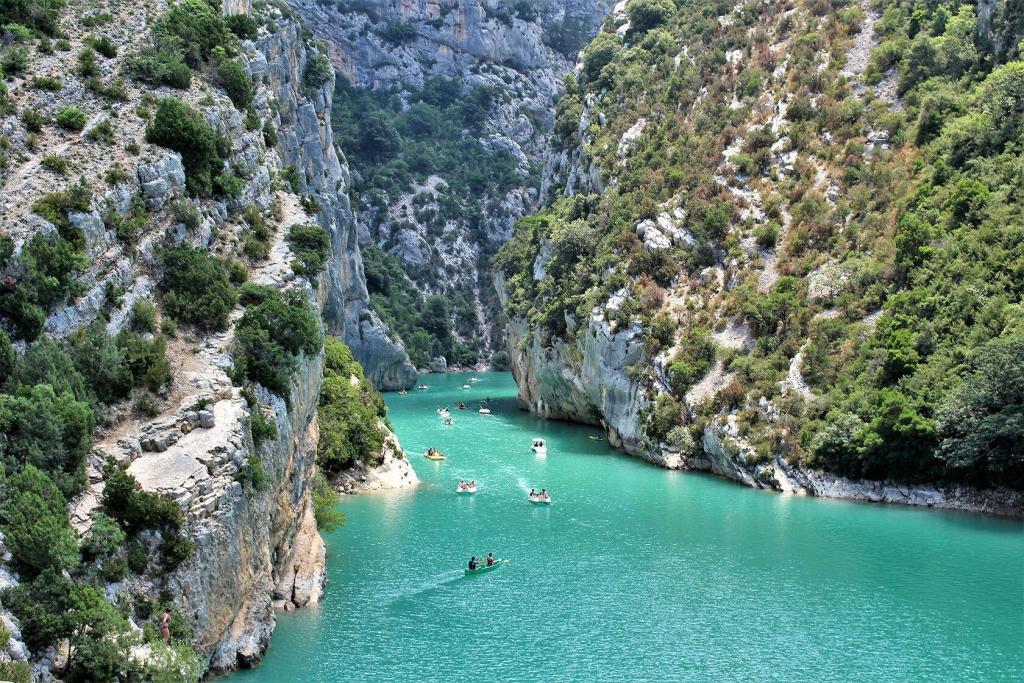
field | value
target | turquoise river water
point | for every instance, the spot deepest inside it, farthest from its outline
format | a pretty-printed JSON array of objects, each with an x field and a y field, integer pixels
[{"x": 635, "y": 573}]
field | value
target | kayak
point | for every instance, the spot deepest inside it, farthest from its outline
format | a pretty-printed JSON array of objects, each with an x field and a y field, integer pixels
[{"x": 484, "y": 568}]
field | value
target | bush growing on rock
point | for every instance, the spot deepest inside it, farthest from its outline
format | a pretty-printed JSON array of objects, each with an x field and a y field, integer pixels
[
  {"x": 196, "y": 288},
  {"x": 71, "y": 118},
  {"x": 274, "y": 329},
  {"x": 136, "y": 510},
  {"x": 236, "y": 82},
  {"x": 311, "y": 247},
  {"x": 318, "y": 71},
  {"x": 178, "y": 127}
]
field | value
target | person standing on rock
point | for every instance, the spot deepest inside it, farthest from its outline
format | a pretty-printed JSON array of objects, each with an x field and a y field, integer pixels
[{"x": 165, "y": 626}]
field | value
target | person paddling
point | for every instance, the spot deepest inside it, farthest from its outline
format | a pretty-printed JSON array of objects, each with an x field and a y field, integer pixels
[
  {"x": 472, "y": 562},
  {"x": 490, "y": 560}
]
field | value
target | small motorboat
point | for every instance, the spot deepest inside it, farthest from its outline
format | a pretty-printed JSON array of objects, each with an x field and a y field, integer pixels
[
  {"x": 485, "y": 411},
  {"x": 465, "y": 487},
  {"x": 443, "y": 412},
  {"x": 539, "y": 447},
  {"x": 465, "y": 386},
  {"x": 422, "y": 387},
  {"x": 402, "y": 392},
  {"x": 448, "y": 422},
  {"x": 434, "y": 454},
  {"x": 539, "y": 499},
  {"x": 460, "y": 405},
  {"x": 472, "y": 379},
  {"x": 483, "y": 568}
]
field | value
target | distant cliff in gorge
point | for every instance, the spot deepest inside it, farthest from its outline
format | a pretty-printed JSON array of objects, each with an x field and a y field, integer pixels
[{"x": 444, "y": 111}]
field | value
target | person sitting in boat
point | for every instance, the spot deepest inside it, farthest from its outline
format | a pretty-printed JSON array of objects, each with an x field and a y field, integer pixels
[
  {"x": 533, "y": 493},
  {"x": 544, "y": 494},
  {"x": 472, "y": 562},
  {"x": 490, "y": 560},
  {"x": 462, "y": 484}
]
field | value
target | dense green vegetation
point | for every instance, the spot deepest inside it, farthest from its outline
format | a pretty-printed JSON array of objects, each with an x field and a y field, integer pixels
[
  {"x": 184, "y": 38},
  {"x": 269, "y": 337},
  {"x": 49, "y": 400},
  {"x": 196, "y": 288},
  {"x": 350, "y": 413},
  {"x": 928, "y": 228},
  {"x": 178, "y": 127}
]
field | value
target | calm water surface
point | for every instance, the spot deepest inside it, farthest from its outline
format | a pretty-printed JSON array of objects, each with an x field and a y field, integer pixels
[{"x": 635, "y": 573}]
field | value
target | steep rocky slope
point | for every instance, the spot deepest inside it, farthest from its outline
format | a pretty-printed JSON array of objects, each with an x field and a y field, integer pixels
[
  {"x": 442, "y": 220},
  {"x": 232, "y": 445},
  {"x": 751, "y": 243}
]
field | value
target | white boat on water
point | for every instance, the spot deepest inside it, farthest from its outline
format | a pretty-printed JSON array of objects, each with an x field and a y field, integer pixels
[
  {"x": 448, "y": 422},
  {"x": 540, "y": 500},
  {"x": 485, "y": 411},
  {"x": 465, "y": 386},
  {"x": 443, "y": 412},
  {"x": 465, "y": 488},
  {"x": 539, "y": 448}
]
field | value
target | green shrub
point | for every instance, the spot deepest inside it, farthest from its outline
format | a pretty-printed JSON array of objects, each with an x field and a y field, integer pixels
[
  {"x": 87, "y": 66},
  {"x": 236, "y": 82},
  {"x": 325, "y": 505},
  {"x": 274, "y": 329},
  {"x": 104, "y": 45},
  {"x": 48, "y": 430},
  {"x": 196, "y": 288},
  {"x": 318, "y": 71},
  {"x": 35, "y": 523},
  {"x": 262, "y": 429},
  {"x": 178, "y": 127},
  {"x": 8, "y": 358},
  {"x": 143, "y": 316},
  {"x": 645, "y": 15},
  {"x": 137, "y": 510},
  {"x": 37, "y": 14},
  {"x": 311, "y": 247},
  {"x": 174, "y": 551},
  {"x": 57, "y": 164},
  {"x": 115, "y": 175},
  {"x": 33, "y": 120},
  {"x": 349, "y": 412},
  {"x": 101, "y": 132},
  {"x": 14, "y": 60},
  {"x": 71, "y": 118},
  {"x": 144, "y": 404},
  {"x": 270, "y": 137},
  {"x": 252, "y": 473},
  {"x": 47, "y": 83},
  {"x": 101, "y": 363}
]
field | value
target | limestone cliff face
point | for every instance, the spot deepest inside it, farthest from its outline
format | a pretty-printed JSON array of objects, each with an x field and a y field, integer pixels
[
  {"x": 307, "y": 143},
  {"x": 522, "y": 54}
]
